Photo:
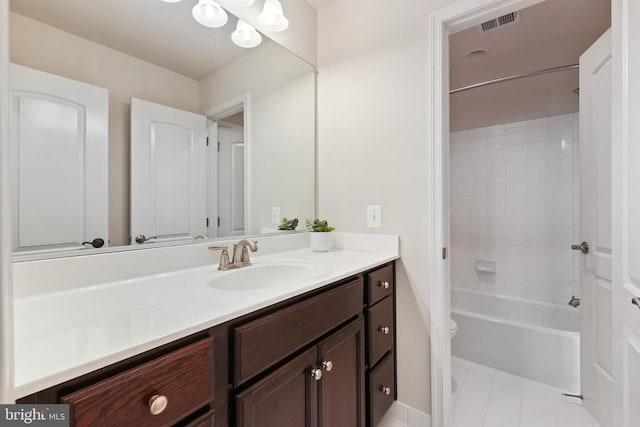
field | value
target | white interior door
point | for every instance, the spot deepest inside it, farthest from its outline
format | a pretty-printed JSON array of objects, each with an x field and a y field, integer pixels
[
  {"x": 595, "y": 228},
  {"x": 169, "y": 186},
  {"x": 626, "y": 211},
  {"x": 231, "y": 180},
  {"x": 59, "y": 161}
]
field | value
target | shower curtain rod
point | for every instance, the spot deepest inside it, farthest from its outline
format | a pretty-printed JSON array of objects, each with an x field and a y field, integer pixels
[{"x": 516, "y": 77}]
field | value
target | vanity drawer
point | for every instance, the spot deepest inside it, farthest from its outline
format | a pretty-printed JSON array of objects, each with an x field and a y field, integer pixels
[
  {"x": 380, "y": 330},
  {"x": 381, "y": 389},
  {"x": 380, "y": 284},
  {"x": 205, "y": 420},
  {"x": 184, "y": 377},
  {"x": 263, "y": 342}
]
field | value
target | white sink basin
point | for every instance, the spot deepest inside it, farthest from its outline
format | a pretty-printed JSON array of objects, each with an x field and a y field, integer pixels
[{"x": 263, "y": 276}]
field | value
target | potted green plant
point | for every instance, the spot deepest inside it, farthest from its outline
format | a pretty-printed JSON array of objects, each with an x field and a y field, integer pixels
[
  {"x": 320, "y": 235},
  {"x": 288, "y": 224}
]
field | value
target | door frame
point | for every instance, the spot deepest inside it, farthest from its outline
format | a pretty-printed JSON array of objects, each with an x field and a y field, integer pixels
[
  {"x": 217, "y": 113},
  {"x": 6, "y": 295},
  {"x": 453, "y": 18}
]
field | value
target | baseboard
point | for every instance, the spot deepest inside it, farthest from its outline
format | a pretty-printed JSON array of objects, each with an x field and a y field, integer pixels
[{"x": 407, "y": 416}]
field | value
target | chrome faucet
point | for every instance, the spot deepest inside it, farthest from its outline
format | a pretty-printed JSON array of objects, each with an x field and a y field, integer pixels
[{"x": 240, "y": 254}]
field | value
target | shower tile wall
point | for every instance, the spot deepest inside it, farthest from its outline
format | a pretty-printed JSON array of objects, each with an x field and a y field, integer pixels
[{"x": 514, "y": 199}]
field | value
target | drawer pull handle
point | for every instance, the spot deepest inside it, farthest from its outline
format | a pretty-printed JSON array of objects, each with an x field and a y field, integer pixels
[
  {"x": 385, "y": 390},
  {"x": 316, "y": 374},
  {"x": 157, "y": 404},
  {"x": 327, "y": 365},
  {"x": 384, "y": 284},
  {"x": 384, "y": 329}
]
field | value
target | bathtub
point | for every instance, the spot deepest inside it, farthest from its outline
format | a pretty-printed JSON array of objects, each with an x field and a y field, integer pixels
[{"x": 536, "y": 340}]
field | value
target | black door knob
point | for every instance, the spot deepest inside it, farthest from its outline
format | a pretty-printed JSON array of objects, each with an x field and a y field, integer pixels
[{"x": 96, "y": 243}]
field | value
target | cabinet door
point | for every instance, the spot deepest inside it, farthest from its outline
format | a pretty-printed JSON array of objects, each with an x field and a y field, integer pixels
[
  {"x": 287, "y": 397},
  {"x": 341, "y": 393}
]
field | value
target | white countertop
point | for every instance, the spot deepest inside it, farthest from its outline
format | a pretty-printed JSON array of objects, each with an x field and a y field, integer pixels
[{"x": 62, "y": 335}]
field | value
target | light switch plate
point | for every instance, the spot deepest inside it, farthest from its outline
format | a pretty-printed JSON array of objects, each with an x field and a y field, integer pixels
[
  {"x": 275, "y": 215},
  {"x": 374, "y": 216}
]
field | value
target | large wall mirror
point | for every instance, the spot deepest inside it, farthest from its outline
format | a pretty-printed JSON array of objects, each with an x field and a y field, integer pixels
[{"x": 132, "y": 124}]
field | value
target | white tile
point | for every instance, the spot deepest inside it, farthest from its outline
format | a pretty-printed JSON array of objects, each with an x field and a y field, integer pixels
[
  {"x": 388, "y": 422},
  {"x": 536, "y": 150},
  {"x": 418, "y": 419},
  {"x": 398, "y": 413},
  {"x": 504, "y": 403},
  {"x": 472, "y": 401},
  {"x": 570, "y": 412},
  {"x": 515, "y": 133},
  {"x": 516, "y": 152},
  {"x": 536, "y": 130},
  {"x": 537, "y": 406}
]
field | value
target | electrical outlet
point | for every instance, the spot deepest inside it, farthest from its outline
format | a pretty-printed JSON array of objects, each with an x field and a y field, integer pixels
[
  {"x": 374, "y": 216},
  {"x": 275, "y": 215}
]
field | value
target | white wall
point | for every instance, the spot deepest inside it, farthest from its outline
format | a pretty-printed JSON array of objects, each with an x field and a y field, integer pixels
[
  {"x": 281, "y": 149},
  {"x": 49, "y": 49},
  {"x": 514, "y": 200},
  {"x": 372, "y": 115}
]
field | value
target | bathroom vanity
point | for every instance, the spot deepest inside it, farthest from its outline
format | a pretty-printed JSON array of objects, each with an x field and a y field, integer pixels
[{"x": 323, "y": 356}]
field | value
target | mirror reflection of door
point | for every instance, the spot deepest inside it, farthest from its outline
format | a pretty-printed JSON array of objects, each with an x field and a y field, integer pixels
[
  {"x": 231, "y": 174},
  {"x": 59, "y": 141},
  {"x": 169, "y": 169}
]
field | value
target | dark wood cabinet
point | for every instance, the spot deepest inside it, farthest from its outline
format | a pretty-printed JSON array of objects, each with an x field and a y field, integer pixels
[
  {"x": 324, "y": 386},
  {"x": 287, "y": 397},
  {"x": 380, "y": 342},
  {"x": 342, "y": 386},
  {"x": 321, "y": 359},
  {"x": 179, "y": 383}
]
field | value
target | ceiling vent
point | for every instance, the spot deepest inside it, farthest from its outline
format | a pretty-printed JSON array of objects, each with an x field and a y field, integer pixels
[{"x": 499, "y": 22}]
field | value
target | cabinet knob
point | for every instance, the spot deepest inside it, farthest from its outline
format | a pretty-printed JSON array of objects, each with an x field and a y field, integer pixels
[
  {"x": 385, "y": 390},
  {"x": 157, "y": 404},
  {"x": 636, "y": 301},
  {"x": 327, "y": 365},
  {"x": 316, "y": 374},
  {"x": 384, "y": 284},
  {"x": 384, "y": 329}
]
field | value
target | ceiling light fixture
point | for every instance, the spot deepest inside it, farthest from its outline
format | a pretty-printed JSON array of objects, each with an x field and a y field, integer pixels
[
  {"x": 245, "y": 35},
  {"x": 272, "y": 18},
  {"x": 209, "y": 13}
]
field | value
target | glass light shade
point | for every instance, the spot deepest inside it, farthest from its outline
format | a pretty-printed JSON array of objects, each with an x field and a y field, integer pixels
[
  {"x": 272, "y": 18},
  {"x": 209, "y": 13},
  {"x": 240, "y": 3},
  {"x": 245, "y": 35}
]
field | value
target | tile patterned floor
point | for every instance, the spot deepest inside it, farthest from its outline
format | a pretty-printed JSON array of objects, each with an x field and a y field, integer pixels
[{"x": 487, "y": 397}]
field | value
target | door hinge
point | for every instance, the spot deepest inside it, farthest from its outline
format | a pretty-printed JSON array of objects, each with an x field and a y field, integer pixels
[
  {"x": 218, "y": 146},
  {"x": 207, "y": 222},
  {"x": 444, "y": 253},
  {"x": 207, "y": 141},
  {"x": 218, "y": 221}
]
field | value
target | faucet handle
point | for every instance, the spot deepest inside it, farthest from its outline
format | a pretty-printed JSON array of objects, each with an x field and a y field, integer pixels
[{"x": 224, "y": 256}]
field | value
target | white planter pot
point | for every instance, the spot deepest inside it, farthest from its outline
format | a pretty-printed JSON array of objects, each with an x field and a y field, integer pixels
[{"x": 320, "y": 242}]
